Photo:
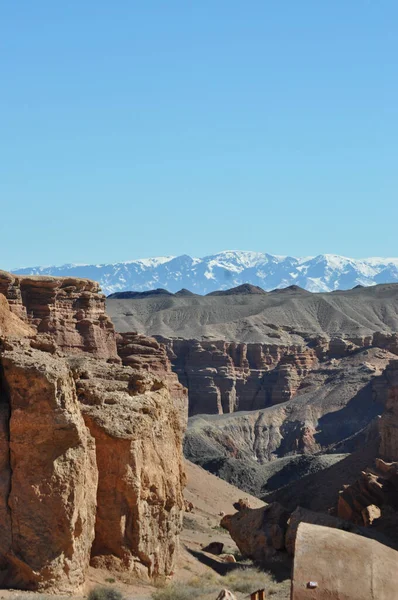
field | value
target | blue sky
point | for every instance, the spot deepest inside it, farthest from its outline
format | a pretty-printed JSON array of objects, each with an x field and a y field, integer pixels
[{"x": 133, "y": 129}]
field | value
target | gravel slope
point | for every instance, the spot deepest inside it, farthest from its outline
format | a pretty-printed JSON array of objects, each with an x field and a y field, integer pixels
[{"x": 281, "y": 316}]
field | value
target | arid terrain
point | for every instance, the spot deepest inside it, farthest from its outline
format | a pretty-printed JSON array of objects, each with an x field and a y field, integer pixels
[
  {"x": 251, "y": 315},
  {"x": 95, "y": 490}
]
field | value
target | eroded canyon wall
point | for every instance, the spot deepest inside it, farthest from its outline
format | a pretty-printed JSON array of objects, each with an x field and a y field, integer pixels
[
  {"x": 90, "y": 441},
  {"x": 64, "y": 312},
  {"x": 224, "y": 377}
]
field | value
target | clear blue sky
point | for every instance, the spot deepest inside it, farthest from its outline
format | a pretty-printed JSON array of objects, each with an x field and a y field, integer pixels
[{"x": 143, "y": 128}]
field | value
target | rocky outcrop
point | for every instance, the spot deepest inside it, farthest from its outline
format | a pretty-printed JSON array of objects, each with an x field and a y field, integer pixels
[
  {"x": 69, "y": 311},
  {"x": 259, "y": 533},
  {"x": 90, "y": 442},
  {"x": 330, "y": 564},
  {"x": 146, "y": 355},
  {"x": 332, "y": 412},
  {"x": 223, "y": 377},
  {"x": 10, "y": 324},
  {"x": 265, "y": 533},
  {"x": 138, "y": 448},
  {"x": 364, "y": 501},
  {"x": 388, "y": 426},
  {"x": 48, "y": 475},
  {"x": 372, "y": 500}
]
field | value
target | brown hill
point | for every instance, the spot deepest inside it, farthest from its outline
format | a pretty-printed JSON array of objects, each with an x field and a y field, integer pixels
[{"x": 283, "y": 316}]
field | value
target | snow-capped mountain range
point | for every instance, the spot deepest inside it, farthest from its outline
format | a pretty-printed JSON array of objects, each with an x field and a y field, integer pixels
[{"x": 224, "y": 270}]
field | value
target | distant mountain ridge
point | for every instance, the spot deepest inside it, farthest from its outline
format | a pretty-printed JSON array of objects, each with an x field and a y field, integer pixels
[{"x": 225, "y": 270}]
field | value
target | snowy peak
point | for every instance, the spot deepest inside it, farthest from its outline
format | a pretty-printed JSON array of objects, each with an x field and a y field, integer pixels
[{"x": 230, "y": 269}]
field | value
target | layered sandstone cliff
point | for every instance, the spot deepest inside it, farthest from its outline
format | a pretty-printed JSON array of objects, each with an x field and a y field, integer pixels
[
  {"x": 90, "y": 443},
  {"x": 224, "y": 377},
  {"x": 69, "y": 313},
  {"x": 337, "y": 402}
]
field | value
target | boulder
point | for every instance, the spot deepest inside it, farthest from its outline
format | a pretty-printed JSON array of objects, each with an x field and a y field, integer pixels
[
  {"x": 262, "y": 533},
  {"x": 303, "y": 515},
  {"x": 342, "y": 566},
  {"x": 259, "y": 533},
  {"x": 214, "y": 548},
  {"x": 227, "y": 558},
  {"x": 241, "y": 504}
]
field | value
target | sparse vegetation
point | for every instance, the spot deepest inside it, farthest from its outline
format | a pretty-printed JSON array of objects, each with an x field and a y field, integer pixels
[
  {"x": 104, "y": 593},
  {"x": 207, "y": 586},
  {"x": 247, "y": 580}
]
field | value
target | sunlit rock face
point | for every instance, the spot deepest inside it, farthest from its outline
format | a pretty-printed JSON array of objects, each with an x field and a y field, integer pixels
[{"x": 90, "y": 442}]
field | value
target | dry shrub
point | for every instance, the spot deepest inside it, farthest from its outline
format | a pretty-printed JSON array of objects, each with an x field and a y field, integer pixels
[
  {"x": 207, "y": 586},
  {"x": 247, "y": 580},
  {"x": 104, "y": 593}
]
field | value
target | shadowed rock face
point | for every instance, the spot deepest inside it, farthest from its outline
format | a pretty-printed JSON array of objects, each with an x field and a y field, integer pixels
[
  {"x": 332, "y": 412},
  {"x": 270, "y": 532},
  {"x": 372, "y": 500},
  {"x": 224, "y": 377},
  {"x": 90, "y": 448},
  {"x": 388, "y": 390}
]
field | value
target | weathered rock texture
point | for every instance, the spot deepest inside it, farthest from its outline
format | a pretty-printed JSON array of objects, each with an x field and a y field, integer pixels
[
  {"x": 265, "y": 533},
  {"x": 372, "y": 500},
  {"x": 10, "y": 324},
  {"x": 223, "y": 377},
  {"x": 48, "y": 475},
  {"x": 332, "y": 413},
  {"x": 362, "y": 502},
  {"x": 146, "y": 355},
  {"x": 341, "y": 566},
  {"x": 138, "y": 446},
  {"x": 388, "y": 391},
  {"x": 69, "y": 311},
  {"x": 90, "y": 448}
]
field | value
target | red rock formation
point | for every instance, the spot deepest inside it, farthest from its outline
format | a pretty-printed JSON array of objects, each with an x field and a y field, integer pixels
[
  {"x": 48, "y": 474},
  {"x": 223, "y": 377},
  {"x": 138, "y": 446},
  {"x": 259, "y": 533},
  {"x": 372, "y": 500},
  {"x": 145, "y": 354},
  {"x": 90, "y": 449},
  {"x": 70, "y": 311},
  {"x": 263, "y": 533},
  {"x": 388, "y": 390},
  {"x": 10, "y": 324}
]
